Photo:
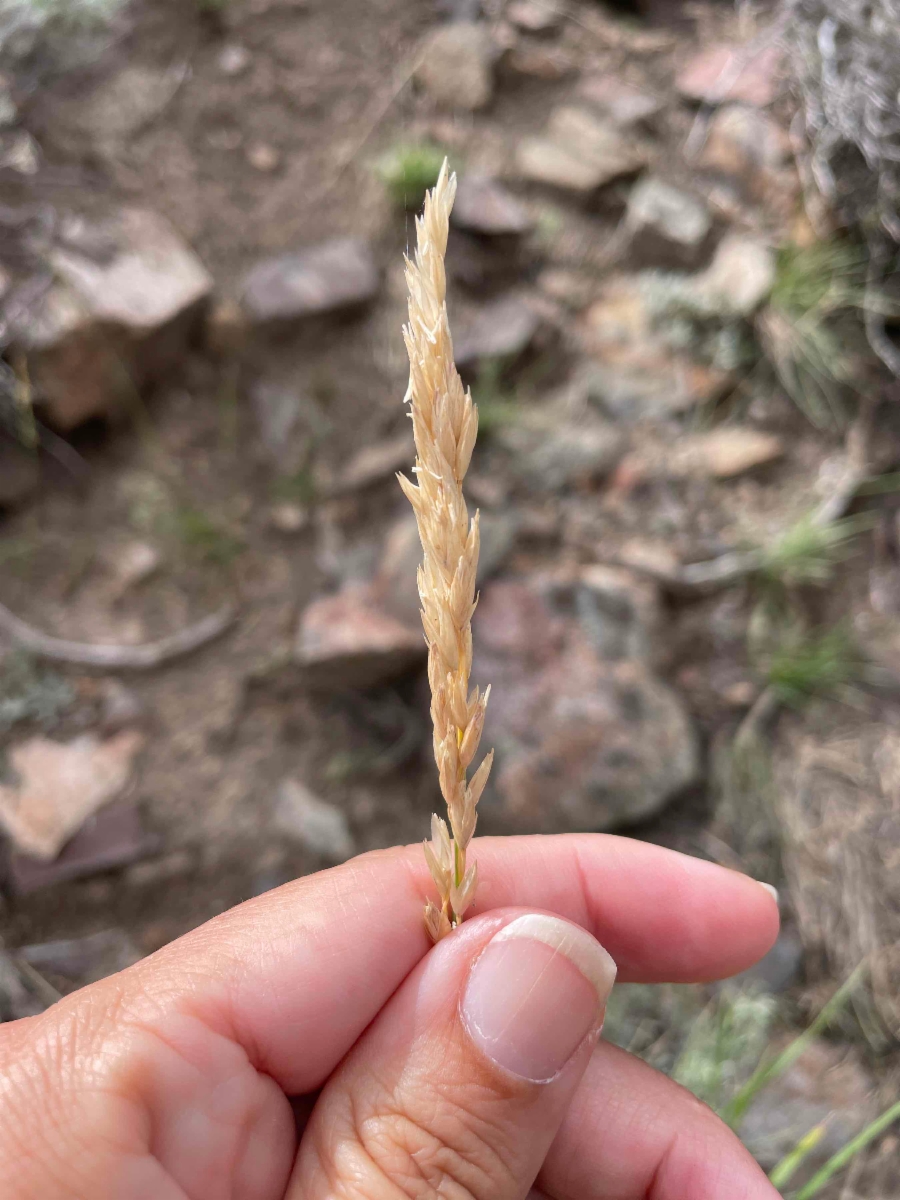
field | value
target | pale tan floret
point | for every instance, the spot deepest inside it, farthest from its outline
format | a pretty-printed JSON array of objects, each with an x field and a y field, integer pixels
[{"x": 445, "y": 425}]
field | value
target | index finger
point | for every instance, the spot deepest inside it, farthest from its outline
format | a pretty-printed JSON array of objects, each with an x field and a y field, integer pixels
[{"x": 297, "y": 974}]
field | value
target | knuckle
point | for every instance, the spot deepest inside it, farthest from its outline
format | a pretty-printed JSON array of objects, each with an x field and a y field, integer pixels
[{"x": 437, "y": 1148}]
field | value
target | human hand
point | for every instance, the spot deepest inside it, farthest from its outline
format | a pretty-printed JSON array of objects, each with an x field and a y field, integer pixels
[{"x": 310, "y": 1044}]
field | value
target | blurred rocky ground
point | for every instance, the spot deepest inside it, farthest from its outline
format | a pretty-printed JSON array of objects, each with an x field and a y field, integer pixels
[{"x": 211, "y": 665}]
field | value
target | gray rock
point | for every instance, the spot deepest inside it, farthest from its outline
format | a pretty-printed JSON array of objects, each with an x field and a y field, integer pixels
[
  {"x": 127, "y": 297},
  {"x": 738, "y": 279},
  {"x": 585, "y": 739},
  {"x": 619, "y": 101},
  {"x": 779, "y": 969},
  {"x": 315, "y": 825},
  {"x": 113, "y": 837},
  {"x": 559, "y": 456},
  {"x": 277, "y": 408},
  {"x": 329, "y": 278},
  {"x": 455, "y": 66},
  {"x": 76, "y": 962},
  {"x": 485, "y": 206},
  {"x": 501, "y": 330},
  {"x": 19, "y": 473},
  {"x": 125, "y": 103},
  {"x": 667, "y": 226},
  {"x": 579, "y": 152}
]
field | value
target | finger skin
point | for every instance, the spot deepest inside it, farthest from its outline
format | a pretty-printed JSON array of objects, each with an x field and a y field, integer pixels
[
  {"x": 419, "y": 1109},
  {"x": 296, "y": 975},
  {"x": 632, "y": 1134},
  {"x": 290, "y": 980}
]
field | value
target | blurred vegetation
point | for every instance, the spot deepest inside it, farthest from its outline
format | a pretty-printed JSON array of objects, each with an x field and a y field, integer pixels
[
  {"x": 408, "y": 170},
  {"x": 31, "y": 692}
]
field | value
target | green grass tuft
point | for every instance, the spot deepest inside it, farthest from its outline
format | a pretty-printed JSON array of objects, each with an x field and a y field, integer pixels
[
  {"x": 408, "y": 170},
  {"x": 803, "y": 665},
  {"x": 203, "y": 538},
  {"x": 808, "y": 553}
]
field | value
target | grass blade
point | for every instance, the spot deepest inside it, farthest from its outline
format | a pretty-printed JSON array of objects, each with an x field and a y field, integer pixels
[
  {"x": 782, "y": 1062},
  {"x": 785, "y": 1170},
  {"x": 847, "y": 1153}
]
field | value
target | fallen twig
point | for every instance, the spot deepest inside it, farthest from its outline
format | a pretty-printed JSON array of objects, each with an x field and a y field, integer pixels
[{"x": 122, "y": 658}]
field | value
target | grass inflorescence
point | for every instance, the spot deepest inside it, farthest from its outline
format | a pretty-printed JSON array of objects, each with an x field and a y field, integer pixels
[{"x": 445, "y": 425}]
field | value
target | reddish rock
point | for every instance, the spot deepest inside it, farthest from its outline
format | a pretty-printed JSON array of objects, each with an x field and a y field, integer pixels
[
  {"x": 348, "y": 641},
  {"x": 56, "y": 786},
  {"x": 725, "y": 72},
  {"x": 127, "y": 296},
  {"x": 586, "y": 736}
]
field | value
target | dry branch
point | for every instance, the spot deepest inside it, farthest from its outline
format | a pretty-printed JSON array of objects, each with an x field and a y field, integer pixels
[{"x": 111, "y": 657}]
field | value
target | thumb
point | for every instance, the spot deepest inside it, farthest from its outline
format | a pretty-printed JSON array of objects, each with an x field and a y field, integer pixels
[{"x": 460, "y": 1084}]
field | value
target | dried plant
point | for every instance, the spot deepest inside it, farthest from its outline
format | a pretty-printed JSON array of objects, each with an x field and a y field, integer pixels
[{"x": 445, "y": 424}]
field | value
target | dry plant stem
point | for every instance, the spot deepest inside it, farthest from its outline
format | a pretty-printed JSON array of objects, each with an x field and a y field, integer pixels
[
  {"x": 445, "y": 424},
  {"x": 110, "y": 657}
]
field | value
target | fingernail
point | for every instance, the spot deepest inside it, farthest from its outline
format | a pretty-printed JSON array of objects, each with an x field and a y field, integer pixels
[
  {"x": 537, "y": 990},
  {"x": 773, "y": 891}
]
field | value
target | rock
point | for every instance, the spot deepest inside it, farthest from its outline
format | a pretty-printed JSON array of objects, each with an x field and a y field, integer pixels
[
  {"x": 328, "y": 278},
  {"x": 535, "y": 16},
  {"x": 131, "y": 563},
  {"x": 57, "y": 786},
  {"x": 375, "y": 463},
  {"x": 501, "y": 330},
  {"x": 20, "y": 152},
  {"x": 9, "y": 113},
  {"x": 263, "y": 157},
  {"x": 719, "y": 454},
  {"x": 112, "y": 837},
  {"x": 126, "y": 102},
  {"x": 161, "y": 870},
  {"x": 17, "y": 1000},
  {"x": 317, "y": 826},
  {"x": 825, "y": 1086},
  {"x": 76, "y": 962},
  {"x": 347, "y": 641},
  {"x": 634, "y": 374},
  {"x": 779, "y": 969},
  {"x": 745, "y": 143},
  {"x": 455, "y": 66},
  {"x": 126, "y": 299},
  {"x": 548, "y": 63},
  {"x": 277, "y": 409},
  {"x": 578, "y": 152},
  {"x": 735, "y": 73},
  {"x": 556, "y": 456},
  {"x": 289, "y": 518},
  {"x": 19, "y": 473},
  {"x": 619, "y": 101},
  {"x": 120, "y": 707},
  {"x": 586, "y": 738},
  {"x": 394, "y": 585},
  {"x": 738, "y": 279},
  {"x": 667, "y": 226},
  {"x": 722, "y": 453},
  {"x": 484, "y": 206},
  {"x": 233, "y": 59}
]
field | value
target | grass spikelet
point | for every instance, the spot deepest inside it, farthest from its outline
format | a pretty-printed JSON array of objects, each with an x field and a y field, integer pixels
[{"x": 445, "y": 424}]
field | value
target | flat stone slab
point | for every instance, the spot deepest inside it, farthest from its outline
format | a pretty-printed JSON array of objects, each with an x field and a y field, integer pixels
[{"x": 328, "y": 278}]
